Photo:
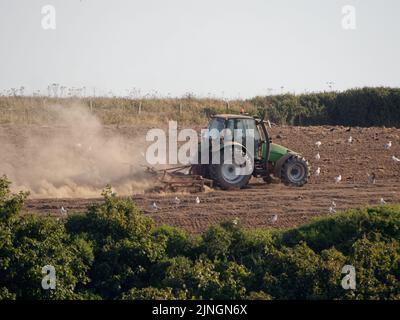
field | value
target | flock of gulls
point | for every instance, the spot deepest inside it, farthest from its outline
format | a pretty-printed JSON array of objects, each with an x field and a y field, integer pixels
[
  {"x": 175, "y": 202},
  {"x": 332, "y": 208},
  {"x": 338, "y": 179}
]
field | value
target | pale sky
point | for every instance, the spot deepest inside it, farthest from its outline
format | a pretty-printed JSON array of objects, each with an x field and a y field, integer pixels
[{"x": 225, "y": 48}]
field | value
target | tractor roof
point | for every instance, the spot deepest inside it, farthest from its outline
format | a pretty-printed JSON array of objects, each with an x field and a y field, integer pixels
[{"x": 232, "y": 116}]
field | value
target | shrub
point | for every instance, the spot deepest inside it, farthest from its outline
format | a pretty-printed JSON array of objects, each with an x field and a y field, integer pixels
[
  {"x": 344, "y": 229},
  {"x": 378, "y": 269},
  {"x": 216, "y": 242},
  {"x": 125, "y": 246},
  {"x": 151, "y": 293},
  {"x": 114, "y": 252},
  {"x": 178, "y": 241},
  {"x": 29, "y": 243}
]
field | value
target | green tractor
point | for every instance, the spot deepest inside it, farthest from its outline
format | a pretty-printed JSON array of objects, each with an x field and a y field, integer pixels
[{"x": 266, "y": 159}]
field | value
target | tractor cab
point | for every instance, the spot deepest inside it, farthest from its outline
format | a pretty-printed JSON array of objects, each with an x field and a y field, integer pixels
[{"x": 227, "y": 125}]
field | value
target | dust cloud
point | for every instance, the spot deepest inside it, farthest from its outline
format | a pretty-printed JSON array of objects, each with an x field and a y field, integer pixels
[{"x": 75, "y": 156}]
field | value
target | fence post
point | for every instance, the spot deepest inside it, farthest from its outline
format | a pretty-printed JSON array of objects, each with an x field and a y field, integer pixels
[
  {"x": 180, "y": 108},
  {"x": 140, "y": 107}
]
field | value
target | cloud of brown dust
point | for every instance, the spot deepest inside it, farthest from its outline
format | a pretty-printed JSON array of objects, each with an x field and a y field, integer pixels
[{"x": 76, "y": 156}]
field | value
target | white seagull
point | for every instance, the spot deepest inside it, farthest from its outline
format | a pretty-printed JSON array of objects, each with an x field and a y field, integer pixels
[
  {"x": 388, "y": 145},
  {"x": 383, "y": 201},
  {"x": 177, "y": 201},
  {"x": 318, "y": 172},
  {"x": 63, "y": 211},
  {"x": 350, "y": 139},
  {"x": 155, "y": 206},
  {"x": 197, "y": 200},
  {"x": 317, "y": 157},
  {"x": 395, "y": 159},
  {"x": 274, "y": 218},
  {"x": 332, "y": 210},
  {"x": 338, "y": 178},
  {"x": 318, "y": 143}
]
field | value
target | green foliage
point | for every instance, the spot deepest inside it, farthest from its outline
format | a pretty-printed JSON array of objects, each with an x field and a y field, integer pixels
[
  {"x": 124, "y": 245},
  {"x": 29, "y": 243},
  {"x": 258, "y": 295},
  {"x": 114, "y": 252},
  {"x": 363, "y": 107},
  {"x": 378, "y": 269},
  {"x": 300, "y": 273},
  {"x": 178, "y": 241},
  {"x": 216, "y": 242},
  {"x": 344, "y": 229},
  {"x": 39, "y": 242},
  {"x": 151, "y": 293},
  {"x": 10, "y": 205},
  {"x": 6, "y": 295},
  {"x": 175, "y": 272},
  {"x": 216, "y": 280}
]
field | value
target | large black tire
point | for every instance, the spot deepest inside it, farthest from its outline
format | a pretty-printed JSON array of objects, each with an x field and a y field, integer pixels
[
  {"x": 225, "y": 177},
  {"x": 295, "y": 171}
]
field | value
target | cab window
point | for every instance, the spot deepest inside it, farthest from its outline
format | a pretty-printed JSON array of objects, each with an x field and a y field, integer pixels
[
  {"x": 247, "y": 124},
  {"x": 217, "y": 123}
]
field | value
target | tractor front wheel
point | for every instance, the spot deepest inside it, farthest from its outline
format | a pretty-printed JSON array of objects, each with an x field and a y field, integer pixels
[{"x": 295, "y": 171}]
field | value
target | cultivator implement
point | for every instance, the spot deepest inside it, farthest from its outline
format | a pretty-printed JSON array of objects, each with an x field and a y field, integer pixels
[{"x": 179, "y": 179}]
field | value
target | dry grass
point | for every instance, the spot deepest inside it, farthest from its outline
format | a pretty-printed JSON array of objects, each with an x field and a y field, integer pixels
[{"x": 118, "y": 111}]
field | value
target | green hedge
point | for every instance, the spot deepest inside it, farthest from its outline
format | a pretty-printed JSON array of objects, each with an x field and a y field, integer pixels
[
  {"x": 363, "y": 107},
  {"x": 114, "y": 252}
]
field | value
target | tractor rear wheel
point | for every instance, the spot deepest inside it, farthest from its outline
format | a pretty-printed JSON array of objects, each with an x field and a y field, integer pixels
[
  {"x": 295, "y": 171},
  {"x": 226, "y": 174}
]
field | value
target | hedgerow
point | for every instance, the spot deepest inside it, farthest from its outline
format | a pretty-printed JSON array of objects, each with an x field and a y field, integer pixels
[
  {"x": 114, "y": 252},
  {"x": 364, "y": 107}
]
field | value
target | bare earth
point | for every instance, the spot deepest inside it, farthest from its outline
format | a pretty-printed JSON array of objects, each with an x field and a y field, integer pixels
[{"x": 255, "y": 206}]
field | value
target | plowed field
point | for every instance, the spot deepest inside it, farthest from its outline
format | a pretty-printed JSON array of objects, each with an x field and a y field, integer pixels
[{"x": 256, "y": 205}]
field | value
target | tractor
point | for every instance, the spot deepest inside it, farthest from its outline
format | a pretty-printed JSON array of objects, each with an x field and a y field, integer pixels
[{"x": 266, "y": 159}]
